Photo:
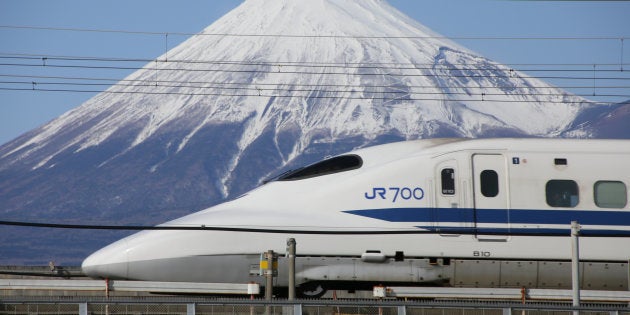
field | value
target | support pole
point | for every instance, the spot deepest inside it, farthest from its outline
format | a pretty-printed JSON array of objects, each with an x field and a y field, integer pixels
[
  {"x": 291, "y": 247},
  {"x": 107, "y": 288},
  {"x": 107, "y": 295},
  {"x": 268, "y": 271},
  {"x": 269, "y": 275},
  {"x": 575, "y": 263}
]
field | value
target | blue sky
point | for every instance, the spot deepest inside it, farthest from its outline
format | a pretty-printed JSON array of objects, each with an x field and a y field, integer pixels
[{"x": 21, "y": 111}]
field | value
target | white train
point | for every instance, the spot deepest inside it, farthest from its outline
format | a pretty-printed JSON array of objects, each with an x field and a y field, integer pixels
[{"x": 462, "y": 212}]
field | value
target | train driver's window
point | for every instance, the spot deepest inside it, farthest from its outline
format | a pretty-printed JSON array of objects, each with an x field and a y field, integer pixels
[
  {"x": 610, "y": 194},
  {"x": 562, "y": 193},
  {"x": 333, "y": 165},
  {"x": 448, "y": 181}
]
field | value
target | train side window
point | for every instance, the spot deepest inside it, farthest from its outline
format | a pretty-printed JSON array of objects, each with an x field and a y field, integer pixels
[
  {"x": 610, "y": 194},
  {"x": 489, "y": 181},
  {"x": 562, "y": 193},
  {"x": 448, "y": 181}
]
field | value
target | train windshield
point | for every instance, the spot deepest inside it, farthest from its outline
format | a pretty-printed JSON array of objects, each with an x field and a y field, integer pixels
[{"x": 333, "y": 165}]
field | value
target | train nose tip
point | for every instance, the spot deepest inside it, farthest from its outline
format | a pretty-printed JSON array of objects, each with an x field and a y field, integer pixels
[
  {"x": 109, "y": 271},
  {"x": 110, "y": 262}
]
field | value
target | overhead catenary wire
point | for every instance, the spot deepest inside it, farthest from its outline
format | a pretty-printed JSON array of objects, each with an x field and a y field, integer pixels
[
  {"x": 272, "y": 71},
  {"x": 315, "y": 96},
  {"x": 279, "y": 87},
  {"x": 408, "y": 101},
  {"x": 330, "y": 91},
  {"x": 363, "y": 64},
  {"x": 303, "y": 69},
  {"x": 45, "y": 62},
  {"x": 367, "y": 93},
  {"x": 293, "y": 84},
  {"x": 425, "y": 70},
  {"x": 154, "y": 33},
  {"x": 330, "y": 88},
  {"x": 392, "y": 90}
]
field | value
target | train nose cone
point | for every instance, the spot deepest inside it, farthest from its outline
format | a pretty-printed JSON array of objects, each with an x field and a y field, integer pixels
[{"x": 111, "y": 262}]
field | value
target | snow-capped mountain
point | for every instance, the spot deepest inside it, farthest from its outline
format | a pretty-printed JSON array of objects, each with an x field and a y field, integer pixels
[{"x": 272, "y": 84}]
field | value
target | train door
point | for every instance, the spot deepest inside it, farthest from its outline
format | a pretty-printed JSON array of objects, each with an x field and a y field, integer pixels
[
  {"x": 450, "y": 213},
  {"x": 490, "y": 190}
]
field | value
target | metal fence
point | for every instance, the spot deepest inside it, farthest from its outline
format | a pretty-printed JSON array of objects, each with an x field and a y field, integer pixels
[{"x": 215, "y": 306}]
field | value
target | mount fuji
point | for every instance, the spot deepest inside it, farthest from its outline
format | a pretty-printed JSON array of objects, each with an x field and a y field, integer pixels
[{"x": 271, "y": 85}]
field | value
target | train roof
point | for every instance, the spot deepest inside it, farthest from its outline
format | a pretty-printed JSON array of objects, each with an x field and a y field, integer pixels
[
  {"x": 393, "y": 151},
  {"x": 386, "y": 153}
]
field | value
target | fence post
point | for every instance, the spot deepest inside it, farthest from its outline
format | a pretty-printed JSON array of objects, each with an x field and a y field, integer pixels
[{"x": 190, "y": 309}]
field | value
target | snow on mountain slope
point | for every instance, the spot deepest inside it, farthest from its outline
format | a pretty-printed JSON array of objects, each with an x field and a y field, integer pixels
[
  {"x": 302, "y": 79},
  {"x": 337, "y": 32}
]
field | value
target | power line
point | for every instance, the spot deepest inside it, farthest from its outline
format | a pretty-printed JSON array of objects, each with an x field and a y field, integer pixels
[
  {"x": 414, "y": 65},
  {"x": 88, "y": 30},
  {"x": 273, "y": 71},
  {"x": 581, "y": 67},
  {"x": 391, "y": 90},
  {"x": 482, "y": 97},
  {"x": 595, "y": 74},
  {"x": 153, "y": 33},
  {"x": 219, "y": 85}
]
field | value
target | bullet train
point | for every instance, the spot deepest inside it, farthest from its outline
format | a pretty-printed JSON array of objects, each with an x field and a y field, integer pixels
[{"x": 448, "y": 212}]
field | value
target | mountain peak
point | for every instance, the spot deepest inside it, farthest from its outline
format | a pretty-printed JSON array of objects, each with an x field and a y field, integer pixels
[{"x": 319, "y": 18}]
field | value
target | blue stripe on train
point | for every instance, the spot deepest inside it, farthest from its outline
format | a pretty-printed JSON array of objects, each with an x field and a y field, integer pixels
[
  {"x": 520, "y": 231},
  {"x": 480, "y": 216}
]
